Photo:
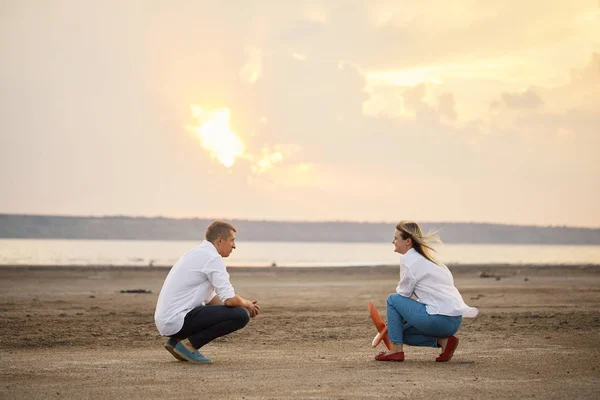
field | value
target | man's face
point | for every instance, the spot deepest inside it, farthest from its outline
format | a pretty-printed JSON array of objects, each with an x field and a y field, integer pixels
[{"x": 225, "y": 246}]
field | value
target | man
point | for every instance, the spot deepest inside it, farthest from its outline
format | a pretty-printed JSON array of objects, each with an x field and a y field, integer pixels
[{"x": 197, "y": 301}]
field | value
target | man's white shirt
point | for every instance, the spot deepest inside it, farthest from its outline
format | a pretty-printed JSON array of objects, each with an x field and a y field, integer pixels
[
  {"x": 433, "y": 285},
  {"x": 194, "y": 280}
]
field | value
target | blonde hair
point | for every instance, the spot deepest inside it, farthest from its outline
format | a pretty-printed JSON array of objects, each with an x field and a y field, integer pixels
[
  {"x": 219, "y": 229},
  {"x": 421, "y": 243}
]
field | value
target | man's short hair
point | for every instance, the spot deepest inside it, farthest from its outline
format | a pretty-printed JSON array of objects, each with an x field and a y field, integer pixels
[{"x": 219, "y": 229}]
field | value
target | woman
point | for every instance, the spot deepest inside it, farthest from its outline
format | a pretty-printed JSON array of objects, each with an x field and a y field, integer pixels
[{"x": 436, "y": 316}]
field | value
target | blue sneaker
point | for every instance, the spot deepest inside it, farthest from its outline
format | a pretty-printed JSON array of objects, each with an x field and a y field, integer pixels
[
  {"x": 194, "y": 356},
  {"x": 170, "y": 346}
]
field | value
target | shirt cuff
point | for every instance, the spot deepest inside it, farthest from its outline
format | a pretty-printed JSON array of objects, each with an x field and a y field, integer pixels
[{"x": 226, "y": 293}]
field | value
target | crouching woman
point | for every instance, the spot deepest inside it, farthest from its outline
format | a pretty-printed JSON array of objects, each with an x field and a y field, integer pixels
[{"x": 436, "y": 315}]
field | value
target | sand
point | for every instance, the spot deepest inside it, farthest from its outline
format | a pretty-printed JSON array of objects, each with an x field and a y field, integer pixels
[{"x": 71, "y": 333}]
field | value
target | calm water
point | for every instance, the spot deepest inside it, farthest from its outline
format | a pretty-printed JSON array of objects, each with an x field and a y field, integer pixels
[{"x": 142, "y": 253}]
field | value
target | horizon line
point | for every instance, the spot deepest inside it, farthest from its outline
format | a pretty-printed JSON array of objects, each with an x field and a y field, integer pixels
[{"x": 297, "y": 221}]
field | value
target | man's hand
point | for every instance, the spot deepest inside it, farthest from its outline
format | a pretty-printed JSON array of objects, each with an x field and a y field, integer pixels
[
  {"x": 237, "y": 301},
  {"x": 253, "y": 308}
]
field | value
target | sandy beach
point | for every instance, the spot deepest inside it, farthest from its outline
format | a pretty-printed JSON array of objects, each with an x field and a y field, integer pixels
[{"x": 71, "y": 333}]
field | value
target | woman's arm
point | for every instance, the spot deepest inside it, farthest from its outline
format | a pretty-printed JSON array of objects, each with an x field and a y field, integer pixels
[{"x": 406, "y": 286}]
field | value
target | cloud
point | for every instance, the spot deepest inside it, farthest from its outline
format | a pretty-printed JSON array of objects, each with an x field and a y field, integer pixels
[
  {"x": 252, "y": 69},
  {"x": 582, "y": 90},
  {"x": 553, "y": 134},
  {"x": 446, "y": 106},
  {"x": 527, "y": 99},
  {"x": 579, "y": 96},
  {"x": 431, "y": 32},
  {"x": 386, "y": 105},
  {"x": 410, "y": 103}
]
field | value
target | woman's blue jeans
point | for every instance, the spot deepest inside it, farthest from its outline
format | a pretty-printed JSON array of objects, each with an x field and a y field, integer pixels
[{"x": 409, "y": 323}]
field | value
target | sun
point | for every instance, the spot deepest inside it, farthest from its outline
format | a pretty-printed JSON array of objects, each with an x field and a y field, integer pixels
[
  {"x": 214, "y": 132},
  {"x": 216, "y": 135}
]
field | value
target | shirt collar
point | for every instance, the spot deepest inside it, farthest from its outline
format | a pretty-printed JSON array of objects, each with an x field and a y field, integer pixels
[
  {"x": 208, "y": 245},
  {"x": 410, "y": 251},
  {"x": 410, "y": 254}
]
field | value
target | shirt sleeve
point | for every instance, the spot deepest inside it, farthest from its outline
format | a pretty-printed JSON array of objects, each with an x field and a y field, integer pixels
[
  {"x": 210, "y": 297},
  {"x": 406, "y": 286},
  {"x": 219, "y": 278}
]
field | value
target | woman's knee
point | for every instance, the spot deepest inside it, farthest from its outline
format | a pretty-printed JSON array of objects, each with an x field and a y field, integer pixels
[{"x": 393, "y": 298}]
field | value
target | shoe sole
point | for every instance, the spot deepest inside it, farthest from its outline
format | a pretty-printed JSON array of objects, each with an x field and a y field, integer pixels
[
  {"x": 171, "y": 350},
  {"x": 185, "y": 358},
  {"x": 389, "y": 359},
  {"x": 451, "y": 352}
]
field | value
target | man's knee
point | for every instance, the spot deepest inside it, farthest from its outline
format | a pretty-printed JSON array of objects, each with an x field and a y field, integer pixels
[{"x": 242, "y": 315}]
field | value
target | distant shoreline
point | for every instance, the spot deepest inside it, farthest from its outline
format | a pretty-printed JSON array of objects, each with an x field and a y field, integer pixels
[
  {"x": 14, "y": 226},
  {"x": 455, "y": 268},
  {"x": 199, "y": 240},
  {"x": 288, "y": 221}
]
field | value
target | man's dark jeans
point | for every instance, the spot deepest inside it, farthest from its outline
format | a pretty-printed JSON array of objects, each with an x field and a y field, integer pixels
[{"x": 206, "y": 323}]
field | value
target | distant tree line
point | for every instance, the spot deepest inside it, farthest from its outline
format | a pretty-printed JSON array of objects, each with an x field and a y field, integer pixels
[{"x": 141, "y": 228}]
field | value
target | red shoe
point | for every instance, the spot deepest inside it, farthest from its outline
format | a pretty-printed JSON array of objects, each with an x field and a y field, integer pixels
[
  {"x": 399, "y": 356},
  {"x": 450, "y": 347}
]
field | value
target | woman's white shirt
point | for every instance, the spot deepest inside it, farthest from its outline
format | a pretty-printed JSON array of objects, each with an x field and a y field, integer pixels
[{"x": 433, "y": 285}]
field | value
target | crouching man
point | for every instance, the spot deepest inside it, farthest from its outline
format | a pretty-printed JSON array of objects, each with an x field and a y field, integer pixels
[{"x": 197, "y": 303}]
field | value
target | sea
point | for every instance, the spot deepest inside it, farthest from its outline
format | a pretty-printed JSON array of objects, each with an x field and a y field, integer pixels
[{"x": 131, "y": 253}]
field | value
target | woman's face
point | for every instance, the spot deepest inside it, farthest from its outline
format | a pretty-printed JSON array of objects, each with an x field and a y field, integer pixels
[{"x": 401, "y": 245}]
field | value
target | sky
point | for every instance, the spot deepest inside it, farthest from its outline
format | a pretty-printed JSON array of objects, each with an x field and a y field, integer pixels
[{"x": 463, "y": 111}]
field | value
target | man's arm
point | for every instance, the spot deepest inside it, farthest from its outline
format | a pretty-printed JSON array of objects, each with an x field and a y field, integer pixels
[
  {"x": 215, "y": 301},
  {"x": 219, "y": 278},
  {"x": 237, "y": 301}
]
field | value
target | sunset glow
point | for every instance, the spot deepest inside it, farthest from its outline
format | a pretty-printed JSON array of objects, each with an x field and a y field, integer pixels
[
  {"x": 307, "y": 110},
  {"x": 266, "y": 161},
  {"x": 216, "y": 135}
]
